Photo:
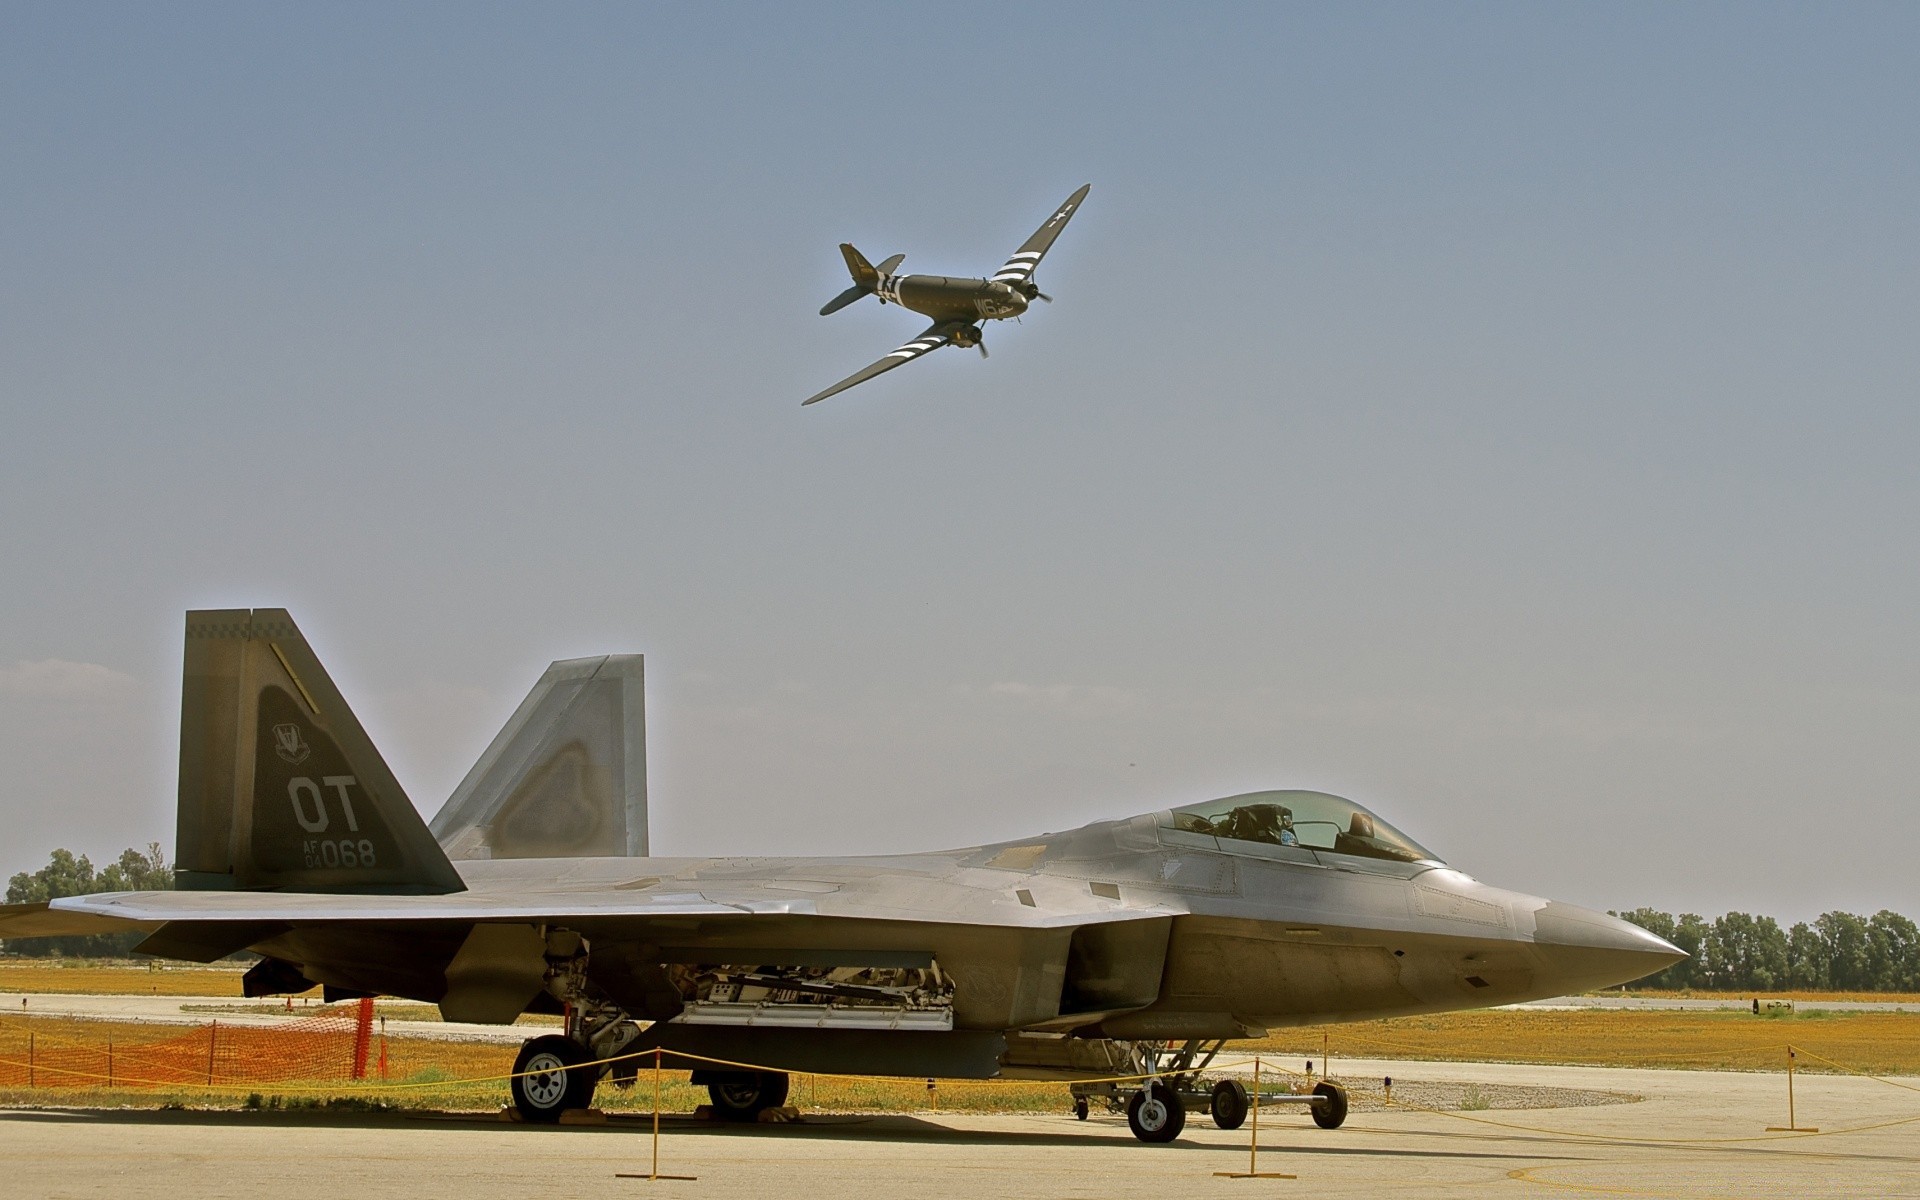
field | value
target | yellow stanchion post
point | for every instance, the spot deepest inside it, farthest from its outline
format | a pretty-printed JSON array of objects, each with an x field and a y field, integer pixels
[
  {"x": 1792, "y": 1126},
  {"x": 655, "y": 1172},
  {"x": 1253, "y": 1143},
  {"x": 32, "y": 1081},
  {"x": 1326, "y": 1056},
  {"x": 213, "y": 1033}
]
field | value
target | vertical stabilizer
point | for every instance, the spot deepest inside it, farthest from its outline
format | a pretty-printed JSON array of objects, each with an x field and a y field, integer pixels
[
  {"x": 566, "y": 777},
  {"x": 280, "y": 787}
]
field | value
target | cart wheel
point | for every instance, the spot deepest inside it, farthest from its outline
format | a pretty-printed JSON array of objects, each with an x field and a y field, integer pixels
[
  {"x": 1229, "y": 1103},
  {"x": 1333, "y": 1113},
  {"x": 1079, "y": 1108}
]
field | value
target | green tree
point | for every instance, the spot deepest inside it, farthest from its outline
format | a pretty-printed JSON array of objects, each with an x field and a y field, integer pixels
[
  {"x": 1893, "y": 953},
  {"x": 68, "y": 875},
  {"x": 1806, "y": 958},
  {"x": 1845, "y": 936},
  {"x": 1744, "y": 953}
]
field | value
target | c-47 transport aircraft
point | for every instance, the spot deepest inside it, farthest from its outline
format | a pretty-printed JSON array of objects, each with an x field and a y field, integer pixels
[
  {"x": 1131, "y": 947},
  {"x": 957, "y": 306}
]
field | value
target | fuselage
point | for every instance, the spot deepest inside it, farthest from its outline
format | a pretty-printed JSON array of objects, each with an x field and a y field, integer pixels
[
  {"x": 945, "y": 298},
  {"x": 1124, "y": 929}
]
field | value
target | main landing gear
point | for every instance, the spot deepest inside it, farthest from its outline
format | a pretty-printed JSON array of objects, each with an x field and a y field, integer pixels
[
  {"x": 549, "y": 1077},
  {"x": 743, "y": 1095},
  {"x": 557, "y": 1072}
]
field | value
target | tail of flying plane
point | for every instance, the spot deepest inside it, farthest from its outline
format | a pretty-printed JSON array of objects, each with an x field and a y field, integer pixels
[
  {"x": 280, "y": 787},
  {"x": 866, "y": 277},
  {"x": 567, "y": 775}
]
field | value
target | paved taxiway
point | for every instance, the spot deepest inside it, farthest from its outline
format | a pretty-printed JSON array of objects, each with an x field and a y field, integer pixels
[{"x": 1674, "y": 1144}]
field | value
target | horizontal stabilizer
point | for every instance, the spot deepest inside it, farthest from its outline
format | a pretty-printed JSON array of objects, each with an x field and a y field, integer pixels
[{"x": 843, "y": 299}]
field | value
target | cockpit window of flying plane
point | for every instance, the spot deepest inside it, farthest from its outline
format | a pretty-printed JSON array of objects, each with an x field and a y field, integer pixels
[{"x": 1311, "y": 820}]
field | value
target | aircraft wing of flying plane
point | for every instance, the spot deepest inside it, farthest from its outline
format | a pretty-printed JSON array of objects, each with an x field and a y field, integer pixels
[
  {"x": 1125, "y": 947},
  {"x": 957, "y": 306}
]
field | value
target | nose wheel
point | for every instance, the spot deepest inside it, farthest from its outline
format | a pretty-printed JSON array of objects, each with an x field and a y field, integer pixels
[{"x": 1156, "y": 1113}]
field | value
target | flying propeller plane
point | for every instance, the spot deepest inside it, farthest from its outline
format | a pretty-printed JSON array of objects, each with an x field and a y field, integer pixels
[
  {"x": 1132, "y": 947},
  {"x": 956, "y": 305}
]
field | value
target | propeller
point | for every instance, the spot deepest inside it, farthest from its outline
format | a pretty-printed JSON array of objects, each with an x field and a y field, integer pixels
[
  {"x": 1031, "y": 291},
  {"x": 981, "y": 347}
]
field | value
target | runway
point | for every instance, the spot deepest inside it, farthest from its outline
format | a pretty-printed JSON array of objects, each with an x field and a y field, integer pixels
[{"x": 1695, "y": 1134}]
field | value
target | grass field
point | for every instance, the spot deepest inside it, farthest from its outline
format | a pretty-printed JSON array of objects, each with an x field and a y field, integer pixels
[
  {"x": 1873, "y": 1042},
  {"x": 116, "y": 977}
]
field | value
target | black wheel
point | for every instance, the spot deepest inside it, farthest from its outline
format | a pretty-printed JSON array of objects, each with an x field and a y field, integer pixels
[
  {"x": 548, "y": 1078},
  {"x": 1156, "y": 1113},
  {"x": 1333, "y": 1113},
  {"x": 1229, "y": 1103},
  {"x": 1079, "y": 1108},
  {"x": 744, "y": 1095}
]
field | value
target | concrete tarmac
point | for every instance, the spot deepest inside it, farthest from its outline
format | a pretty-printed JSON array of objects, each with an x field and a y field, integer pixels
[{"x": 1696, "y": 1134}]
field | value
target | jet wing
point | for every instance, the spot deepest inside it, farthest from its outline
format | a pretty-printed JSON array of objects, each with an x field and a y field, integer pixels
[
  {"x": 119, "y": 912},
  {"x": 931, "y": 338},
  {"x": 1019, "y": 268}
]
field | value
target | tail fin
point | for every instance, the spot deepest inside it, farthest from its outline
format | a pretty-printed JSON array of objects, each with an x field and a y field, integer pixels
[
  {"x": 865, "y": 280},
  {"x": 857, "y": 266},
  {"x": 566, "y": 777},
  {"x": 280, "y": 787}
]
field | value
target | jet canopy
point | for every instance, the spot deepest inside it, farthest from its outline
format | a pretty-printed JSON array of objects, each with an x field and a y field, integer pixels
[{"x": 1312, "y": 821}]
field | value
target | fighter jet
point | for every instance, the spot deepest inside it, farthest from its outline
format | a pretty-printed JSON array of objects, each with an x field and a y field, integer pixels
[
  {"x": 1129, "y": 947},
  {"x": 956, "y": 305}
]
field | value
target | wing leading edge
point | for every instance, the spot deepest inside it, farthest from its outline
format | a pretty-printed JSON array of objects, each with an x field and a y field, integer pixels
[
  {"x": 1019, "y": 268},
  {"x": 934, "y": 336}
]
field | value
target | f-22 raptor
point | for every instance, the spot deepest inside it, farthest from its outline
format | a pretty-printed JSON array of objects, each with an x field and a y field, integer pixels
[
  {"x": 957, "y": 306},
  {"x": 1127, "y": 948}
]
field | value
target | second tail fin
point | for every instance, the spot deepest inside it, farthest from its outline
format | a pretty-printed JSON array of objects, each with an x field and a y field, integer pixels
[{"x": 566, "y": 777}]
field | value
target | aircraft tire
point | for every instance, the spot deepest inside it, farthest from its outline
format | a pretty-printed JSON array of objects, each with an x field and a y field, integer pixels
[
  {"x": 1229, "y": 1104},
  {"x": 548, "y": 1079},
  {"x": 1080, "y": 1108},
  {"x": 744, "y": 1095},
  {"x": 1156, "y": 1113},
  {"x": 1333, "y": 1113}
]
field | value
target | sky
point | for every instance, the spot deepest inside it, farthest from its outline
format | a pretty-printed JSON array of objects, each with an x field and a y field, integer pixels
[{"x": 1502, "y": 415}]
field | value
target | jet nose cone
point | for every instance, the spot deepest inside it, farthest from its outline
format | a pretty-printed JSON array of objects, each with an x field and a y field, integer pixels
[{"x": 1585, "y": 949}]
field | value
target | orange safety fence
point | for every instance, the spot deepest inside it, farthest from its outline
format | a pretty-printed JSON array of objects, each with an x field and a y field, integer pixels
[{"x": 335, "y": 1042}]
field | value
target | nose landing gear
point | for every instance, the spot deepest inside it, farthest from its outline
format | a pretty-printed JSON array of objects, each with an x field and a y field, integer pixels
[
  {"x": 1157, "y": 1113},
  {"x": 1157, "y": 1110}
]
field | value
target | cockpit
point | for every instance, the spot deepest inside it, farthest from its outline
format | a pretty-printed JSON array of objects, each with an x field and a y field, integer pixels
[{"x": 1308, "y": 821}]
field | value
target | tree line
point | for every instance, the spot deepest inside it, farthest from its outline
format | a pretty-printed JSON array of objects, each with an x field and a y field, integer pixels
[
  {"x": 1838, "y": 952},
  {"x": 68, "y": 875}
]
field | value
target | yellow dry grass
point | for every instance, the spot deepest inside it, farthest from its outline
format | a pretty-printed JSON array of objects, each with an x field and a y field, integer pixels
[
  {"x": 94, "y": 977},
  {"x": 1874, "y": 1042}
]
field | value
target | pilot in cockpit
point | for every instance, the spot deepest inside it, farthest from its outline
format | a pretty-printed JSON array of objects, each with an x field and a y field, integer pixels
[{"x": 1269, "y": 823}]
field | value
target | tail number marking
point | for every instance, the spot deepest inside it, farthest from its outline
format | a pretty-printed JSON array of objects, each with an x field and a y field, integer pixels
[{"x": 310, "y": 810}]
